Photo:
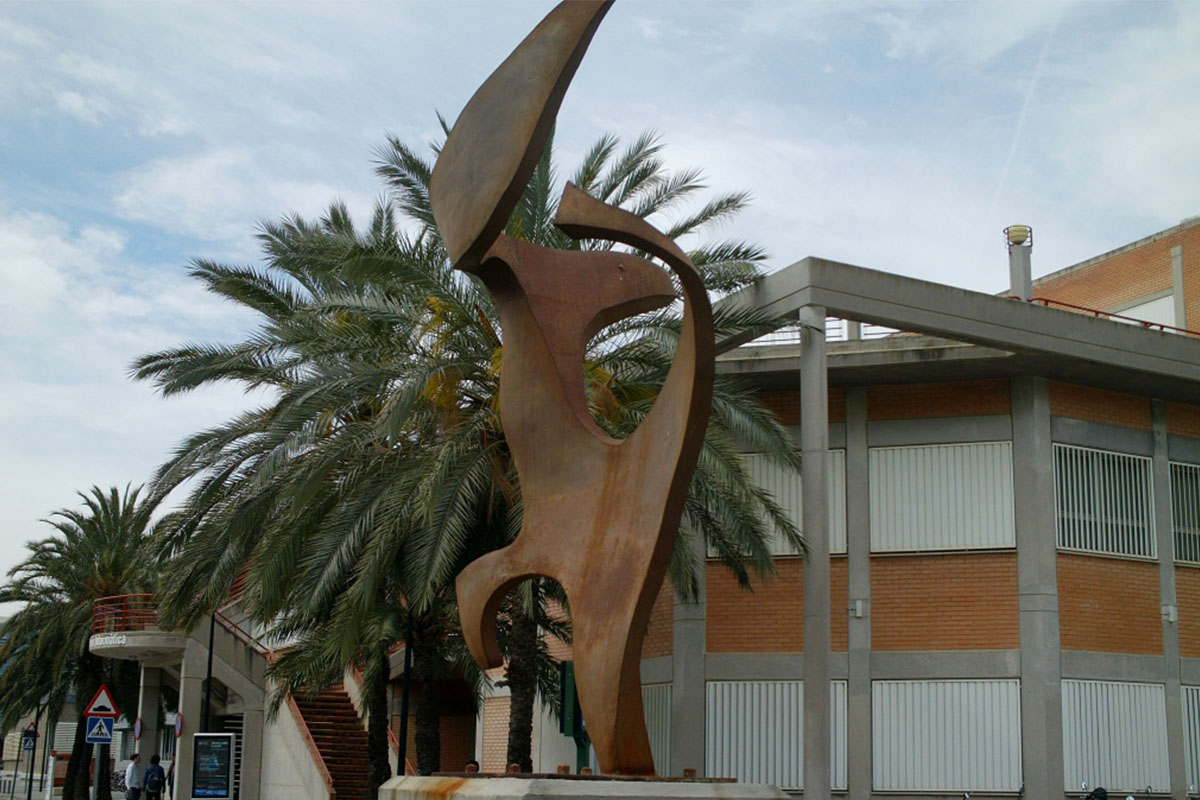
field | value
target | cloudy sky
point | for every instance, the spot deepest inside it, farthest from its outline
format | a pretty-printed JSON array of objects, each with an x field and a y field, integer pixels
[{"x": 135, "y": 136}]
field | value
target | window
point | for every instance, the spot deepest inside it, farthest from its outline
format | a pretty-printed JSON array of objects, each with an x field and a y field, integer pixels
[
  {"x": 1191, "y": 733},
  {"x": 784, "y": 486},
  {"x": 754, "y": 731},
  {"x": 656, "y": 706},
  {"x": 1103, "y": 501},
  {"x": 941, "y": 497},
  {"x": 1185, "y": 511},
  {"x": 1114, "y": 735},
  {"x": 1161, "y": 311},
  {"x": 953, "y": 735}
]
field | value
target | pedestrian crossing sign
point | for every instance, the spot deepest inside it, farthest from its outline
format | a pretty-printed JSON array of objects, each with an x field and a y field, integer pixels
[{"x": 99, "y": 730}]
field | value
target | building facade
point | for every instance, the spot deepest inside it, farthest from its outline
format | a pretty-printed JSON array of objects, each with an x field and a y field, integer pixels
[{"x": 1010, "y": 506}]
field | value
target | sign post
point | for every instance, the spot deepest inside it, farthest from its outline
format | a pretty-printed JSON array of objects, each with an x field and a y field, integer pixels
[{"x": 99, "y": 717}]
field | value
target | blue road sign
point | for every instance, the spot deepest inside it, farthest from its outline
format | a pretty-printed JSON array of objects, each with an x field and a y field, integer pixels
[
  {"x": 99, "y": 730},
  {"x": 27, "y": 742}
]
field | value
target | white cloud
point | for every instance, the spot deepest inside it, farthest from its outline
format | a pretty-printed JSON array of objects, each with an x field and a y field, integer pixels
[
  {"x": 77, "y": 312},
  {"x": 218, "y": 195},
  {"x": 88, "y": 109}
]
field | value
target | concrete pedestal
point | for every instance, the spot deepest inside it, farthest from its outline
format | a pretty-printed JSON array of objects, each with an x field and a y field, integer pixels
[{"x": 553, "y": 788}]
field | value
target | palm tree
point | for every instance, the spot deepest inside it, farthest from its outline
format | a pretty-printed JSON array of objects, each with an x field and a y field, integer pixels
[
  {"x": 379, "y": 465},
  {"x": 95, "y": 552}
]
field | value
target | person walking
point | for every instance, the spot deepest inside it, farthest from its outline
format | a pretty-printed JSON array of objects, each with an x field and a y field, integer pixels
[
  {"x": 154, "y": 780},
  {"x": 133, "y": 778}
]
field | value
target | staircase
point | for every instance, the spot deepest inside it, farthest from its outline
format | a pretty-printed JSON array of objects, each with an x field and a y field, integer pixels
[{"x": 336, "y": 730}]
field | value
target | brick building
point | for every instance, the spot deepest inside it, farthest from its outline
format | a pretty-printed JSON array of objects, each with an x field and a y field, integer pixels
[{"x": 1011, "y": 509}]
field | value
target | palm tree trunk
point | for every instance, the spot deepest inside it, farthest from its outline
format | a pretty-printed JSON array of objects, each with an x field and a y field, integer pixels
[
  {"x": 75, "y": 785},
  {"x": 521, "y": 676},
  {"x": 428, "y": 721},
  {"x": 104, "y": 791},
  {"x": 377, "y": 727}
]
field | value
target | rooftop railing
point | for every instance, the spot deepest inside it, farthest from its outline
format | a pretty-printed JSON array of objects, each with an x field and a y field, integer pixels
[{"x": 124, "y": 612}]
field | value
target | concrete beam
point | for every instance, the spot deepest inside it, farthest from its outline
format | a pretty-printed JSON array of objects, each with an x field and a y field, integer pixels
[
  {"x": 148, "y": 704},
  {"x": 1165, "y": 540},
  {"x": 1037, "y": 590},
  {"x": 858, "y": 555},
  {"x": 814, "y": 448},
  {"x": 966, "y": 316}
]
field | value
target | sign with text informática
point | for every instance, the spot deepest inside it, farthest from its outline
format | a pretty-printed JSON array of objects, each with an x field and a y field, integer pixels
[
  {"x": 102, "y": 705},
  {"x": 212, "y": 765},
  {"x": 99, "y": 730}
]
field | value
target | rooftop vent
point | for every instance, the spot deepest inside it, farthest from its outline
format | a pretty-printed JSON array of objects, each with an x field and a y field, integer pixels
[{"x": 1019, "y": 239}]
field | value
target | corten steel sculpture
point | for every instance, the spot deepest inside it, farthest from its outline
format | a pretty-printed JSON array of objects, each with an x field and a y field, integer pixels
[{"x": 600, "y": 514}]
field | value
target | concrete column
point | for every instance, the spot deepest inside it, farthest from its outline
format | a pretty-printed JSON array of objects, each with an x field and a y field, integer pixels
[
  {"x": 148, "y": 705},
  {"x": 252, "y": 747},
  {"x": 1020, "y": 280},
  {"x": 687, "y": 678},
  {"x": 1177, "y": 292},
  {"x": 814, "y": 446},
  {"x": 1037, "y": 589},
  {"x": 191, "y": 703},
  {"x": 1165, "y": 540},
  {"x": 858, "y": 554}
]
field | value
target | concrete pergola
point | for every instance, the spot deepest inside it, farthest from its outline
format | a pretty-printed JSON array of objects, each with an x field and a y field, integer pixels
[{"x": 960, "y": 334}]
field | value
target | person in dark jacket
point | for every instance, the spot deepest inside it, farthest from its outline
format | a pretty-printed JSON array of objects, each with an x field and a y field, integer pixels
[{"x": 154, "y": 780}]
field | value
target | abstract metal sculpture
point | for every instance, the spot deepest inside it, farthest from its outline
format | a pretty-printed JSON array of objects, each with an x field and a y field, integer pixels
[{"x": 600, "y": 514}]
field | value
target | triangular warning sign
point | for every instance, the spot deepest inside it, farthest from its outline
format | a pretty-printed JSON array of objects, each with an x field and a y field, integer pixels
[
  {"x": 99, "y": 731},
  {"x": 102, "y": 705}
]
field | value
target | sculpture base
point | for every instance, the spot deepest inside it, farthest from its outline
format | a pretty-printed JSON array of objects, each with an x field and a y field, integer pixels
[{"x": 561, "y": 787}]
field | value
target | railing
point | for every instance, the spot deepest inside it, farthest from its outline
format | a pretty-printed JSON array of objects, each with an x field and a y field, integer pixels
[
  {"x": 124, "y": 612},
  {"x": 1095, "y": 312},
  {"x": 311, "y": 743},
  {"x": 243, "y": 636},
  {"x": 836, "y": 330}
]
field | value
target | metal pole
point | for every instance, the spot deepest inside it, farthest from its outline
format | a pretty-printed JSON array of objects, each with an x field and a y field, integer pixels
[
  {"x": 402, "y": 755},
  {"x": 37, "y": 720},
  {"x": 33, "y": 753},
  {"x": 51, "y": 723},
  {"x": 212, "y": 626}
]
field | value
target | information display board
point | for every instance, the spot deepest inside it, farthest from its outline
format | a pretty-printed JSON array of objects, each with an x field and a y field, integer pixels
[{"x": 212, "y": 765}]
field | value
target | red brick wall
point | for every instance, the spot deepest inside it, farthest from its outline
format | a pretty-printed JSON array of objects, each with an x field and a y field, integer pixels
[
  {"x": 957, "y": 601},
  {"x": 495, "y": 734},
  {"x": 771, "y": 618},
  {"x": 947, "y": 399},
  {"x": 1108, "y": 605},
  {"x": 785, "y": 405},
  {"x": 1131, "y": 275},
  {"x": 1187, "y": 598},
  {"x": 660, "y": 634},
  {"x": 1183, "y": 420},
  {"x": 456, "y": 737},
  {"x": 1098, "y": 405},
  {"x": 1121, "y": 279}
]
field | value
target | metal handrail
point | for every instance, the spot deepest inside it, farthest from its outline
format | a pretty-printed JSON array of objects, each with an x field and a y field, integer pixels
[
  {"x": 1096, "y": 312},
  {"x": 124, "y": 612},
  {"x": 313, "y": 750},
  {"x": 244, "y": 636}
]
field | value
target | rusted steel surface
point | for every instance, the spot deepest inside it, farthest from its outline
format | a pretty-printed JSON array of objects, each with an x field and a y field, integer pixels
[
  {"x": 600, "y": 514},
  {"x": 496, "y": 142}
]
